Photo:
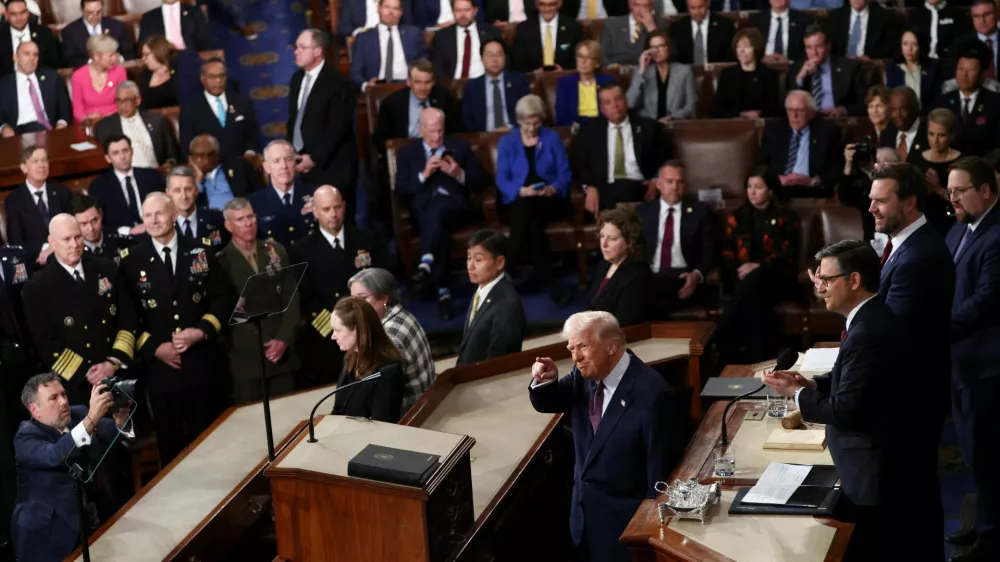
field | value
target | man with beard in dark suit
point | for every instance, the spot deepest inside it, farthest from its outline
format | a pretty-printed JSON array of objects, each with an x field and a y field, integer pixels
[{"x": 457, "y": 47}]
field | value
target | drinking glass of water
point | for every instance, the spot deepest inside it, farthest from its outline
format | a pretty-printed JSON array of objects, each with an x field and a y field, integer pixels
[
  {"x": 724, "y": 461},
  {"x": 777, "y": 406}
]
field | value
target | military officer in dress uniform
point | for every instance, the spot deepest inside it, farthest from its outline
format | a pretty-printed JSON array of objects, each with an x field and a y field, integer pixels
[
  {"x": 284, "y": 208},
  {"x": 78, "y": 313},
  {"x": 91, "y": 219},
  {"x": 245, "y": 256},
  {"x": 194, "y": 221},
  {"x": 182, "y": 300},
  {"x": 334, "y": 252}
]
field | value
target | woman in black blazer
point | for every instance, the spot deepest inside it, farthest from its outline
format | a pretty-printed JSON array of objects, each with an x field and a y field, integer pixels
[
  {"x": 359, "y": 333},
  {"x": 623, "y": 285},
  {"x": 749, "y": 89},
  {"x": 915, "y": 69}
]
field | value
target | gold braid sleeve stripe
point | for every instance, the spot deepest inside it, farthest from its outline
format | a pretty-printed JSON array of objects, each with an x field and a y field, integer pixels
[
  {"x": 322, "y": 323},
  {"x": 67, "y": 364},
  {"x": 142, "y": 340},
  {"x": 125, "y": 343},
  {"x": 213, "y": 321}
]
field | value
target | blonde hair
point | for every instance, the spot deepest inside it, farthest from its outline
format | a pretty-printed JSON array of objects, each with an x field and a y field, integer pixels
[
  {"x": 98, "y": 44},
  {"x": 593, "y": 49}
]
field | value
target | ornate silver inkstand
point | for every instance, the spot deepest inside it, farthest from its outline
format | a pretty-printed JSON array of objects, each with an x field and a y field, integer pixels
[{"x": 687, "y": 499}]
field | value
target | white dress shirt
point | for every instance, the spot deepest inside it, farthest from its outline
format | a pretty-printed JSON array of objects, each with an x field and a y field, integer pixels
[
  {"x": 484, "y": 291},
  {"x": 961, "y": 102},
  {"x": 773, "y": 32},
  {"x": 18, "y": 37},
  {"x": 313, "y": 77},
  {"x": 704, "y": 34},
  {"x": 330, "y": 238},
  {"x": 34, "y": 195},
  {"x": 281, "y": 194},
  {"x": 212, "y": 103},
  {"x": 515, "y": 11},
  {"x": 399, "y": 63},
  {"x": 124, "y": 230},
  {"x": 632, "y": 169},
  {"x": 863, "y": 14},
  {"x": 173, "y": 251},
  {"x": 143, "y": 155},
  {"x": 667, "y": 8},
  {"x": 25, "y": 109},
  {"x": 476, "y": 68},
  {"x": 613, "y": 379},
  {"x": 445, "y": 14},
  {"x": 172, "y": 11},
  {"x": 677, "y": 260},
  {"x": 902, "y": 235},
  {"x": 934, "y": 26},
  {"x": 911, "y": 136},
  {"x": 181, "y": 219},
  {"x": 72, "y": 270}
]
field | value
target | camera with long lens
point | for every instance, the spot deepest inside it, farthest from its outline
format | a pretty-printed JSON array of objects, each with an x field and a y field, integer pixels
[{"x": 122, "y": 390}]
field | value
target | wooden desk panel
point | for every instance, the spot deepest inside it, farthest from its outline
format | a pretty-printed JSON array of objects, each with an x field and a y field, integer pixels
[{"x": 64, "y": 162}]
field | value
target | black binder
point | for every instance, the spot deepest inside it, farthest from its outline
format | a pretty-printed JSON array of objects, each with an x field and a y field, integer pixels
[
  {"x": 396, "y": 466},
  {"x": 816, "y": 496}
]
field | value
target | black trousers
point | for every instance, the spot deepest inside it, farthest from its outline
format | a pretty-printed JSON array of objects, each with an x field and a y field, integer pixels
[
  {"x": 527, "y": 218},
  {"x": 437, "y": 221},
  {"x": 978, "y": 431},
  {"x": 748, "y": 320},
  {"x": 621, "y": 191},
  {"x": 666, "y": 286},
  {"x": 180, "y": 417}
]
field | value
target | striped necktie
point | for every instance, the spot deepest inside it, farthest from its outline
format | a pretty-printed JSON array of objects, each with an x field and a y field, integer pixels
[{"x": 793, "y": 151}]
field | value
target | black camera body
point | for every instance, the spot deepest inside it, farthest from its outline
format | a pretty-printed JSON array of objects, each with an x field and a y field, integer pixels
[
  {"x": 122, "y": 390},
  {"x": 864, "y": 152}
]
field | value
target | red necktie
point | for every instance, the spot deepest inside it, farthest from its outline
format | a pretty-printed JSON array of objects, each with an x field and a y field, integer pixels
[
  {"x": 596, "y": 405},
  {"x": 668, "y": 242},
  {"x": 467, "y": 54},
  {"x": 843, "y": 336},
  {"x": 886, "y": 251}
]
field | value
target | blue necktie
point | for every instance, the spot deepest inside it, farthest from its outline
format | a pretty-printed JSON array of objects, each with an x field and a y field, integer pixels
[
  {"x": 854, "y": 41},
  {"x": 793, "y": 151},
  {"x": 220, "y": 112},
  {"x": 961, "y": 243}
]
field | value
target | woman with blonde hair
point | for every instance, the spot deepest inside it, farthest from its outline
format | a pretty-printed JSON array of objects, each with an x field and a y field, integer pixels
[{"x": 93, "y": 85}]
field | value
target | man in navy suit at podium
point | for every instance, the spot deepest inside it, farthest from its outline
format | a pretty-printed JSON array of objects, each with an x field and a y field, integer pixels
[{"x": 628, "y": 430}]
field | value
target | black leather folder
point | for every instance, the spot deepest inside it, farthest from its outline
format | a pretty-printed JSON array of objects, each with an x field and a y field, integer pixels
[
  {"x": 816, "y": 496},
  {"x": 396, "y": 466}
]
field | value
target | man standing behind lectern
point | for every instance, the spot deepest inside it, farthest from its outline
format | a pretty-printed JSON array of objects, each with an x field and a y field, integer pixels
[{"x": 628, "y": 430}]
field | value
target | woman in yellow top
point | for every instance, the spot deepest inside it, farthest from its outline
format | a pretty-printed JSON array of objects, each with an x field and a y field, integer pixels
[{"x": 576, "y": 94}]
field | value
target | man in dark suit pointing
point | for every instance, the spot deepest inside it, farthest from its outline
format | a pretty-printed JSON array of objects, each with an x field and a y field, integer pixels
[{"x": 628, "y": 430}]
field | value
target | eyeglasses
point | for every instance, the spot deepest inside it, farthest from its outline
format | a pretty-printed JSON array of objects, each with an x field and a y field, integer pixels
[
  {"x": 955, "y": 193},
  {"x": 126, "y": 100},
  {"x": 824, "y": 280}
]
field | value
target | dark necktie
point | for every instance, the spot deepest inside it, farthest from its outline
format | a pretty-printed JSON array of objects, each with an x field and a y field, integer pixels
[
  {"x": 77, "y": 277},
  {"x": 793, "y": 150},
  {"x": 168, "y": 263},
  {"x": 287, "y": 199},
  {"x": 596, "y": 405},
  {"x": 779, "y": 37},
  {"x": 498, "y": 108},
  {"x": 886, "y": 251},
  {"x": 43, "y": 209},
  {"x": 961, "y": 243},
  {"x": 991, "y": 72},
  {"x": 467, "y": 55},
  {"x": 668, "y": 242},
  {"x": 187, "y": 228},
  {"x": 133, "y": 205},
  {"x": 965, "y": 108},
  {"x": 424, "y": 104},
  {"x": 390, "y": 52},
  {"x": 817, "y": 87},
  {"x": 99, "y": 250}
]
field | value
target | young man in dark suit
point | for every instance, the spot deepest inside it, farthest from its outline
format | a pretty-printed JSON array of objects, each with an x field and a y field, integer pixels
[
  {"x": 146, "y": 129},
  {"x": 629, "y": 429},
  {"x": 596, "y": 152},
  {"x": 481, "y": 109},
  {"x": 458, "y": 48},
  {"x": 681, "y": 236},
  {"x": 941, "y": 23},
  {"x": 355, "y": 16},
  {"x": 803, "y": 149},
  {"x": 974, "y": 243},
  {"x": 786, "y": 46},
  {"x": 836, "y": 83},
  {"x": 220, "y": 180},
  {"x": 863, "y": 29},
  {"x": 195, "y": 33},
  {"x": 17, "y": 28},
  {"x": 435, "y": 177},
  {"x": 716, "y": 36},
  {"x": 547, "y": 40},
  {"x": 223, "y": 113},
  {"x": 194, "y": 221},
  {"x": 283, "y": 207},
  {"x": 977, "y": 109},
  {"x": 17, "y": 113},
  {"x": 857, "y": 402},
  {"x": 32, "y": 204},
  {"x": 399, "y": 114},
  {"x": 495, "y": 323},
  {"x": 122, "y": 189},
  {"x": 373, "y": 61},
  {"x": 74, "y": 36},
  {"x": 321, "y": 105}
]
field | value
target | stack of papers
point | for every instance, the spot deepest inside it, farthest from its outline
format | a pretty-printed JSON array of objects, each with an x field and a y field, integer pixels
[
  {"x": 778, "y": 483},
  {"x": 820, "y": 359}
]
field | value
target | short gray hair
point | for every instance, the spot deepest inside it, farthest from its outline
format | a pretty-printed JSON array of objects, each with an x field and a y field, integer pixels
[
  {"x": 101, "y": 44},
  {"x": 379, "y": 282},
  {"x": 128, "y": 84},
  {"x": 529, "y": 106},
  {"x": 181, "y": 172},
  {"x": 235, "y": 204},
  {"x": 805, "y": 95},
  {"x": 318, "y": 36},
  {"x": 29, "y": 394},
  {"x": 604, "y": 325},
  {"x": 275, "y": 143}
]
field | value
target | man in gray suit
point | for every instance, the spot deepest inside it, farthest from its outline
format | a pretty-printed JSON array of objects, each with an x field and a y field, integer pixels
[{"x": 624, "y": 38}]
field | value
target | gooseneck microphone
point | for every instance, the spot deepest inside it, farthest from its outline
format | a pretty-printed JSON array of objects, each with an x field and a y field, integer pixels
[
  {"x": 312, "y": 415},
  {"x": 786, "y": 359}
]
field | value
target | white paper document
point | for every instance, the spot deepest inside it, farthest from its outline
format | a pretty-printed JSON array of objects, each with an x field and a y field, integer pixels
[
  {"x": 777, "y": 484},
  {"x": 83, "y": 146},
  {"x": 820, "y": 359}
]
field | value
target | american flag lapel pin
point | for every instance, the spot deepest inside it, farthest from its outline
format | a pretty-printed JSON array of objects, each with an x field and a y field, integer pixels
[{"x": 623, "y": 402}]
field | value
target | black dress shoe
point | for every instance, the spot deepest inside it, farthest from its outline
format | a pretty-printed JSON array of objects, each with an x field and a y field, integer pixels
[
  {"x": 978, "y": 553},
  {"x": 964, "y": 537},
  {"x": 421, "y": 282},
  {"x": 444, "y": 309}
]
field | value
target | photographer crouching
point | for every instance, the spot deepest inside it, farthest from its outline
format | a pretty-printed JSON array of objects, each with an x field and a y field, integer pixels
[
  {"x": 861, "y": 159},
  {"x": 46, "y": 521}
]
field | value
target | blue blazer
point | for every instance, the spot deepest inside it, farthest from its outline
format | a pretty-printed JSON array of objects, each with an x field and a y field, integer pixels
[
  {"x": 46, "y": 519},
  {"x": 427, "y": 12},
  {"x": 275, "y": 221},
  {"x": 108, "y": 191},
  {"x": 515, "y": 87},
  {"x": 551, "y": 164},
  {"x": 410, "y": 161},
  {"x": 368, "y": 55},
  {"x": 354, "y": 15},
  {"x": 975, "y": 312},
  {"x": 930, "y": 82},
  {"x": 698, "y": 243},
  {"x": 641, "y": 436},
  {"x": 568, "y": 98}
]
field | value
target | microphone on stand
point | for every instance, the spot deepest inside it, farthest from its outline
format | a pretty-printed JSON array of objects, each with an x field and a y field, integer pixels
[
  {"x": 312, "y": 415},
  {"x": 786, "y": 359}
]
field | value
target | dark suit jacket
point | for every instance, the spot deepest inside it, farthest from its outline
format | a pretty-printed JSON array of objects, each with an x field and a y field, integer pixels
[
  {"x": 410, "y": 161},
  {"x": 445, "y": 47},
  {"x": 698, "y": 243},
  {"x": 930, "y": 81},
  {"x": 881, "y": 38},
  {"x": 368, "y": 52},
  {"x": 826, "y": 158},
  {"x": 851, "y": 401},
  {"x": 327, "y": 126},
  {"x": 160, "y": 133},
  {"x": 952, "y": 24},
  {"x": 627, "y": 293},
  {"x": 394, "y": 115},
  {"x": 108, "y": 191},
  {"x": 640, "y": 437},
  {"x": 571, "y": 8},
  {"x": 719, "y": 40},
  {"x": 380, "y": 400},
  {"x": 354, "y": 15},
  {"x": 515, "y": 87},
  {"x": 762, "y": 94},
  {"x": 568, "y": 98},
  {"x": 54, "y": 99},
  {"x": 797, "y": 24},
  {"x": 590, "y": 150},
  {"x": 498, "y": 327},
  {"x": 980, "y": 133},
  {"x": 975, "y": 312},
  {"x": 849, "y": 85},
  {"x": 25, "y": 226},
  {"x": 194, "y": 28},
  {"x": 240, "y": 135},
  {"x": 890, "y": 139},
  {"x": 427, "y": 12},
  {"x": 74, "y": 40},
  {"x": 529, "y": 56},
  {"x": 242, "y": 178},
  {"x": 499, "y": 10},
  {"x": 49, "y": 55}
]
